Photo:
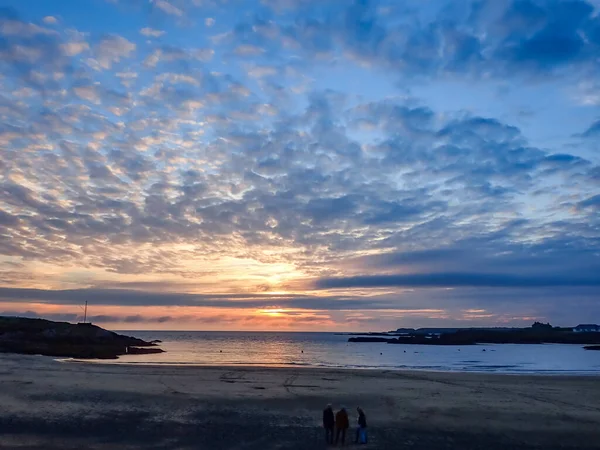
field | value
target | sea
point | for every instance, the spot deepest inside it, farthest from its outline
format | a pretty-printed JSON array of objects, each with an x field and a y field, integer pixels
[{"x": 279, "y": 349}]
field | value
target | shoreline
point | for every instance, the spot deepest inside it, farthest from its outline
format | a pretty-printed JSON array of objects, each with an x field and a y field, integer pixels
[{"x": 549, "y": 373}]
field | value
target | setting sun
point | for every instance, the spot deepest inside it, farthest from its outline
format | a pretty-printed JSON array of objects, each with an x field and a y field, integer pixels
[{"x": 274, "y": 312}]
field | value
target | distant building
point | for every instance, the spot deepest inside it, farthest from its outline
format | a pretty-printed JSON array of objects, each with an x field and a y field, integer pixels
[{"x": 587, "y": 328}]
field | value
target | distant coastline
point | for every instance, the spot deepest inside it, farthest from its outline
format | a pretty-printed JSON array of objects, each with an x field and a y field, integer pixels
[{"x": 538, "y": 333}]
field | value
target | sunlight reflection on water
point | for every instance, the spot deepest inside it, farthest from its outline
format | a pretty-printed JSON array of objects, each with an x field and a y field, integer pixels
[{"x": 331, "y": 350}]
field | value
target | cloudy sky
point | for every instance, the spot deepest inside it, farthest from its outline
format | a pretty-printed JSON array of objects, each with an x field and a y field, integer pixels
[{"x": 300, "y": 164}]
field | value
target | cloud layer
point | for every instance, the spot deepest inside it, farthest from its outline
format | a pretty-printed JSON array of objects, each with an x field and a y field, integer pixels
[{"x": 347, "y": 155}]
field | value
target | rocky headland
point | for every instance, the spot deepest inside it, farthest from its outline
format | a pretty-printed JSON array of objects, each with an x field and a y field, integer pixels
[{"x": 63, "y": 339}]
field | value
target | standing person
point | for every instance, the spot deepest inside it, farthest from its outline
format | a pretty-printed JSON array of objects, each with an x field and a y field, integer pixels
[
  {"x": 361, "y": 431},
  {"x": 328, "y": 424},
  {"x": 341, "y": 425}
]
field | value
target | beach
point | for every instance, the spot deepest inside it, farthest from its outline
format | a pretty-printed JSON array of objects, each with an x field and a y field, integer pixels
[{"x": 46, "y": 404}]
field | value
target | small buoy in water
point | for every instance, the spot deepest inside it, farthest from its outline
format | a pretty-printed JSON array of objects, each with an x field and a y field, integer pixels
[
  {"x": 404, "y": 351},
  {"x": 483, "y": 350},
  {"x": 220, "y": 351},
  {"x": 381, "y": 353},
  {"x": 302, "y": 351}
]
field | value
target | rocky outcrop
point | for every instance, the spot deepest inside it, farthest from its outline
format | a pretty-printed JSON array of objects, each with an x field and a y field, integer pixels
[
  {"x": 83, "y": 340},
  {"x": 472, "y": 336},
  {"x": 370, "y": 339}
]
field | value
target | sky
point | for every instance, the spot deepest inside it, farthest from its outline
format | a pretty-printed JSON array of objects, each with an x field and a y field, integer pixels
[{"x": 300, "y": 164}]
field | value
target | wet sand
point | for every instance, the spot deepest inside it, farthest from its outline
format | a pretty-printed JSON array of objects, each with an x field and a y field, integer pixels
[{"x": 46, "y": 404}]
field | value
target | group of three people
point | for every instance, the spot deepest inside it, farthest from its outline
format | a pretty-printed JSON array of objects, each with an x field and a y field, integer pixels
[{"x": 340, "y": 424}]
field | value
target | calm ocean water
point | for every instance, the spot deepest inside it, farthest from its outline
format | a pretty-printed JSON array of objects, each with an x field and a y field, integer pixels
[{"x": 331, "y": 350}]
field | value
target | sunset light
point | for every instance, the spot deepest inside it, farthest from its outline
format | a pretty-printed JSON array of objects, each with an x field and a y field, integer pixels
[
  {"x": 275, "y": 312},
  {"x": 183, "y": 164},
  {"x": 300, "y": 224}
]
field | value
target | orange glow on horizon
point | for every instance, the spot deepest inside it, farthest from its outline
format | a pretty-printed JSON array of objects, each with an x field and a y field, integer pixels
[{"x": 276, "y": 312}]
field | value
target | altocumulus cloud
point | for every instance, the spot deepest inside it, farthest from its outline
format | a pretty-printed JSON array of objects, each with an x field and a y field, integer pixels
[{"x": 304, "y": 146}]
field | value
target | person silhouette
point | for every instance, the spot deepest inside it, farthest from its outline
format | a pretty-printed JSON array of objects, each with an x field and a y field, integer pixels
[
  {"x": 341, "y": 425},
  {"x": 361, "y": 431},
  {"x": 328, "y": 424}
]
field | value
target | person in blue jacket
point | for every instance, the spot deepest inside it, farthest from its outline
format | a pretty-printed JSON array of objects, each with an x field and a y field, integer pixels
[{"x": 361, "y": 431}]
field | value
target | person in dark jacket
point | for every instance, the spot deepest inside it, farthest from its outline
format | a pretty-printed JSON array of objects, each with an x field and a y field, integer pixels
[
  {"x": 362, "y": 425},
  {"x": 341, "y": 425},
  {"x": 328, "y": 424}
]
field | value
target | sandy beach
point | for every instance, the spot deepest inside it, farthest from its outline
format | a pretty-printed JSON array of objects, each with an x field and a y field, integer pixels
[{"x": 45, "y": 404}]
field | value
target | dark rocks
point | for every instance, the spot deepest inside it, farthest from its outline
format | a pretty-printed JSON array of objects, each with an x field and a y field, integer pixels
[
  {"x": 143, "y": 350},
  {"x": 472, "y": 336},
  {"x": 84, "y": 340},
  {"x": 370, "y": 339}
]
